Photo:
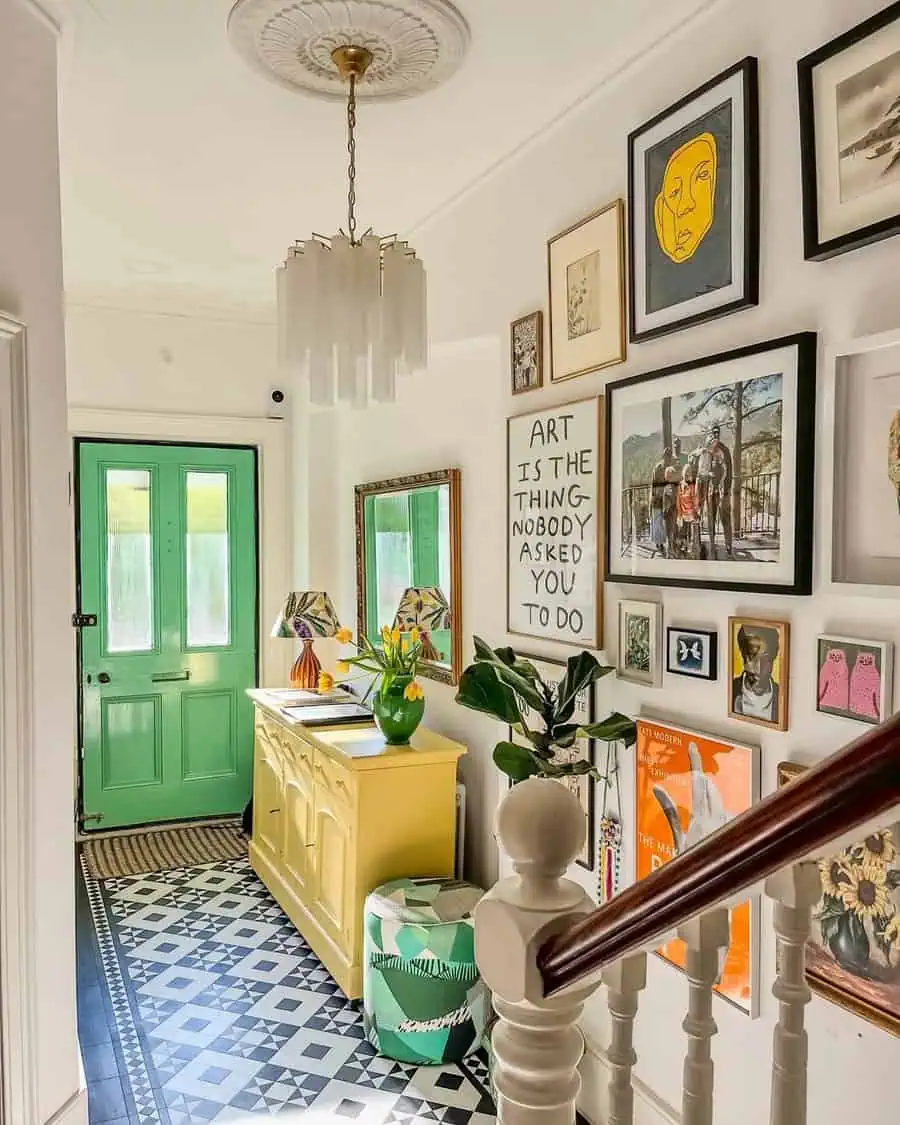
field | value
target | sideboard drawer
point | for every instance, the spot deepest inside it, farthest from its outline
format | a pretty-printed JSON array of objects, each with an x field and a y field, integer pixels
[{"x": 339, "y": 782}]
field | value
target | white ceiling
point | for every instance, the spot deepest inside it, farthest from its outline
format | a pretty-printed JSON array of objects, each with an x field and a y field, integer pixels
[{"x": 185, "y": 172}]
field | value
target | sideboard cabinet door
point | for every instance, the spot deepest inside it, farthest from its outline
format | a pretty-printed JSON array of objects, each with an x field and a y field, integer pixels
[
  {"x": 268, "y": 771},
  {"x": 334, "y": 867},
  {"x": 298, "y": 856}
]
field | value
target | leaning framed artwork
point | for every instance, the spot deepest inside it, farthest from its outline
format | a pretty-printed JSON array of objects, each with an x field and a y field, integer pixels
[
  {"x": 586, "y": 277},
  {"x": 853, "y": 952},
  {"x": 759, "y": 667},
  {"x": 526, "y": 352},
  {"x": 854, "y": 678},
  {"x": 710, "y": 471},
  {"x": 687, "y": 786},
  {"x": 849, "y": 133},
  {"x": 693, "y": 205}
]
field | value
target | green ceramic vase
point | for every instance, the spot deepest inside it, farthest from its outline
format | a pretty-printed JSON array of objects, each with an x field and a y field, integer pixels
[{"x": 397, "y": 717}]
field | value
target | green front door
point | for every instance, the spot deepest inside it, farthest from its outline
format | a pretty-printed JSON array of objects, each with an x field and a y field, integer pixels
[{"x": 167, "y": 541}]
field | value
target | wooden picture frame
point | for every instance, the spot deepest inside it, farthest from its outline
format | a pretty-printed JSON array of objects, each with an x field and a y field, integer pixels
[
  {"x": 686, "y": 268},
  {"x": 825, "y": 974},
  {"x": 859, "y": 64},
  {"x": 626, "y": 667},
  {"x": 759, "y": 657},
  {"x": 526, "y": 335},
  {"x": 695, "y": 665}
]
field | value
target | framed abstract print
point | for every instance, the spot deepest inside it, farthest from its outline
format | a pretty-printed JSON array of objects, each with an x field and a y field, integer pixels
[
  {"x": 759, "y": 666},
  {"x": 710, "y": 478},
  {"x": 640, "y": 634},
  {"x": 849, "y": 133},
  {"x": 526, "y": 352},
  {"x": 686, "y": 786},
  {"x": 552, "y": 672},
  {"x": 693, "y": 206},
  {"x": 853, "y": 952},
  {"x": 854, "y": 679},
  {"x": 692, "y": 652},
  {"x": 586, "y": 269}
]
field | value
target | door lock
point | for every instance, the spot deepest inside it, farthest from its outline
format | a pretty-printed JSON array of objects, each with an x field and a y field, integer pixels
[{"x": 103, "y": 677}]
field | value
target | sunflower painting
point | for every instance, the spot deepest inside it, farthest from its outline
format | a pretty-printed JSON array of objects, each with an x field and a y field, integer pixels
[{"x": 853, "y": 955}]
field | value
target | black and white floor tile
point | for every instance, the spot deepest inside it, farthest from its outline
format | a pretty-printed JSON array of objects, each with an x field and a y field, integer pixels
[{"x": 217, "y": 1010}]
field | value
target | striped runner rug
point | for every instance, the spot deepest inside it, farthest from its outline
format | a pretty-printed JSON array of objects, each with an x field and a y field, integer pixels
[{"x": 164, "y": 849}]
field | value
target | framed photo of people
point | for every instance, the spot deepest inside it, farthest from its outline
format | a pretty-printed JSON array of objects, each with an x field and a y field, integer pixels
[
  {"x": 849, "y": 134},
  {"x": 693, "y": 207},
  {"x": 710, "y": 471}
]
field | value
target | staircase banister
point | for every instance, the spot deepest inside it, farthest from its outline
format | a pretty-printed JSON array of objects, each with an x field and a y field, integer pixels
[{"x": 851, "y": 788}]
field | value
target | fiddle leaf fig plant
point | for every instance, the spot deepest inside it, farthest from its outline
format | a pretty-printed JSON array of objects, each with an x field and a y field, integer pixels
[{"x": 506, "y": 686}]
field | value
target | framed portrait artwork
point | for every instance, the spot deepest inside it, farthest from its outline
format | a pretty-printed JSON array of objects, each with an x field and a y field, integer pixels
[
  {"x": 586, "y": 272},
  {"x": 710, "y": 471},
  {"x": 526, "y": 352},
  {"x": 854, "y": 679},
  {"x": 552, "y": 672},
  {"x": 693, "y": 206},
  {"x": 853, "y": 952},
  {"x": 692, "y": 652},
  {"x": 686, "y": 786},
  {"x": 640, "y": 631},
  {"x": 849, "y": 132},
  {"x": 759, "y": 663}
]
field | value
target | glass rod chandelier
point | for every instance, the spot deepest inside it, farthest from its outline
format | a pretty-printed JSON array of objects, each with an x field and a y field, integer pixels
[{"x": 351, "y": 310}]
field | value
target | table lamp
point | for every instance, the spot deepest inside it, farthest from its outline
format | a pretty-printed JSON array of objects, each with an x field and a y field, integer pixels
[
  {"x": 306, "y": 614},
  {"x": 426, "y": 609}
]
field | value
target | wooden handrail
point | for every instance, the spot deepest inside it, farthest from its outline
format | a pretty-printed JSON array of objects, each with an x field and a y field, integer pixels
[{"x": 853, "y": 786}]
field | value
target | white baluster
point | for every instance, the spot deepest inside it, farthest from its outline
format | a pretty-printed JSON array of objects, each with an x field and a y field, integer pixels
[
  {"x": 796, "y": 890},
  {"x": 707, "y": 938},
  {"x": 624, "y": 981},
  {"x": 536, "y": 1042}
]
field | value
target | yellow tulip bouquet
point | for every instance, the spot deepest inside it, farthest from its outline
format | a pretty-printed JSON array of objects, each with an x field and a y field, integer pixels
[{"x": 396, "y": 659}]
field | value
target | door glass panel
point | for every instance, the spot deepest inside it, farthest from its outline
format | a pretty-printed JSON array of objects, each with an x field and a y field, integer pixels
[
  {"x": 129, "y": 579},
  {"x": 206, "y": 584}
]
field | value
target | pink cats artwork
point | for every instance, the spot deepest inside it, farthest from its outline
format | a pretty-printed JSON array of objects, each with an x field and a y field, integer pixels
[{"x": 855, "y": 679}]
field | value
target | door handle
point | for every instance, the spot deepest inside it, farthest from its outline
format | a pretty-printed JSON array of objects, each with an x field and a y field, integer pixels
[
  {"x": 103, "y": 677},
  {"x": 169, "y": 677}
]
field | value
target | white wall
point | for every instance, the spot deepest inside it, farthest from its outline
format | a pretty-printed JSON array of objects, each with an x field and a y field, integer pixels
[
  {"x": 486, "y": 260},
  {"x": 31, "y": 289}
]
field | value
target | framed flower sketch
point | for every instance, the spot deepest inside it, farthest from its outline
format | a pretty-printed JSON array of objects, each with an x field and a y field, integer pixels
[
  {"x": 686, "y": 786},
  {"x": 853, "y": 953},
  {"x": 710, "y": 477},
  {"x": 759, "y": 664},
  {"x": 693, "y": 205},
  {"x": 854, "y": 679},
  {"x": 586, "y": 269},
  {"x": 526, "y": 352},
  {"x": 849, "y": 133},
  {"x": 552, "y": 672},
  {"x": 640, "y": 635},
  {"x": 692, "y": 652}
]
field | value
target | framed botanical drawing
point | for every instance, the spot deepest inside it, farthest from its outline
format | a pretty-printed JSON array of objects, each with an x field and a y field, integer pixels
[
  {"x": 854, "y": 679},
  {"x": 640, "y": 634},
  {"x": 554, "y": 533},
  {"x": 551, "y": 672},
  {"x": 759, "y": 667},
  {"x": 849, "y": 133},
  {"x": 526, "y": 352},
  {"x": 686, "y": 786},
  {"x": 853, "y": 953},
  {"x": 710, "y": 471},
  {"x": 586, "y": 268},
  {"x": 693, "y": 206},
  {"x": 692, "y": 652}
]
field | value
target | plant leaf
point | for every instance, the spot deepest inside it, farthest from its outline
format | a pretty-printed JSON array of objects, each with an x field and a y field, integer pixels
[
  {"x": 515, "y": 761},
  {"x": 615, "y": 728},
  {"x": 565, "y": 735},
  {"x": 503, "y": 664},
  {"x": 573, "y": 769},
  {"x": 581, "y": 671},
  {"x": 481, "y": 690}
]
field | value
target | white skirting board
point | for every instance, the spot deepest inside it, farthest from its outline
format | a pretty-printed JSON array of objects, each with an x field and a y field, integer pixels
[{"x": 649, "y": 1109}]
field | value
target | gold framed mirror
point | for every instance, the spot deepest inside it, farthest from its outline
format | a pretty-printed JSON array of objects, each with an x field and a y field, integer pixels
[{"x": 409, "y": 564}]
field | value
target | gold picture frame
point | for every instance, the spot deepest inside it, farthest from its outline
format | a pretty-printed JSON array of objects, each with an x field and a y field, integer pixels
[
  {"x": 526, "y": 353},
  {"x": 761, "y": 695},
  {"x": 586, "y": 288}
]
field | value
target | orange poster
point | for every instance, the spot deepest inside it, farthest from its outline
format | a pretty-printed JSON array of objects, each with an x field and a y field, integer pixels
[{"x": 688, "y": 785}]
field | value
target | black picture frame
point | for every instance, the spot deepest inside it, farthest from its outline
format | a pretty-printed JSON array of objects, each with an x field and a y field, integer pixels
[
  {"x": 806, "y": 345},
  {"x": 749, "y": 69},
  {"x": 712, "y": 639},
  {"x": 814, "y": 248}
]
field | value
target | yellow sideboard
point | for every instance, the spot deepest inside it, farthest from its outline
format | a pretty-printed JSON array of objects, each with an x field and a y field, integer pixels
[{"x": 336, "y": 812}]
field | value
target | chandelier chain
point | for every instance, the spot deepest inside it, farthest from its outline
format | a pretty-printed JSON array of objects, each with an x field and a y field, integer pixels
[{"x": 351, "y": 169}]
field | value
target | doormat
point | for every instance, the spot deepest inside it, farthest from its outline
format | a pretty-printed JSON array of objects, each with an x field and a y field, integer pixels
[{"x": 164, "y": 849}]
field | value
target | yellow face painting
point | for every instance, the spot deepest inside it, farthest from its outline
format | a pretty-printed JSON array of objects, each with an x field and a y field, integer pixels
[{"x": 684, "y": 208}]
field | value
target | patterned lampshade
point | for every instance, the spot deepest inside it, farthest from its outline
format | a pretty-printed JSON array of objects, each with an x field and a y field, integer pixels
[
  {"x": 424, "y": 607},
  {"x": 307, "y": 614}
]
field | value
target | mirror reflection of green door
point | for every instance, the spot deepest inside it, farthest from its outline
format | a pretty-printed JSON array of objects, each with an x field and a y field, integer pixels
[{"x": 167, "y": 542}]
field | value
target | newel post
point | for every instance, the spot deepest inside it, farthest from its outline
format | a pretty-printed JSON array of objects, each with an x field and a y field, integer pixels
[{"x": 536, "y": 1042}]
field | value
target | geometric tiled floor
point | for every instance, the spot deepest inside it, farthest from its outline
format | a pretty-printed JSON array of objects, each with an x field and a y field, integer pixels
[{"x": 215, "y": 1009}]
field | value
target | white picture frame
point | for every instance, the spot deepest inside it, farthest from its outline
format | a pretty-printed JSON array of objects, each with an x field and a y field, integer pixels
[
  {"x": 640, "y": 629},
  {"x": 850, "y": 686}
]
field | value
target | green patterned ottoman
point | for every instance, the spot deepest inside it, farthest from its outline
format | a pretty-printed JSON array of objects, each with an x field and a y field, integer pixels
[{"x": 423, "y": 999}]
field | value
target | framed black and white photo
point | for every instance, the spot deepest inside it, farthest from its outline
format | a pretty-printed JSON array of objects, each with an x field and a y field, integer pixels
[
  {"x": 850, "y": 137},
  {"x": 640, "y": 637},
  {"x": 554, "y": 534},
  {"x": 583, "y": 749},
  {"x": 693, "y": 207},
  {"x": 710, "y": 471},
  {"x": 854, "y": 678},
  {"x": 692, "y": 652},
  {"x": 526, "y": 352}
]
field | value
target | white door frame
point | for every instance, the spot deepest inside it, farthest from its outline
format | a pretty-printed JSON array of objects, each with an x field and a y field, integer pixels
[
  {"x": 18, "y": 983},
  {"x": 269, "y": 436}
]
